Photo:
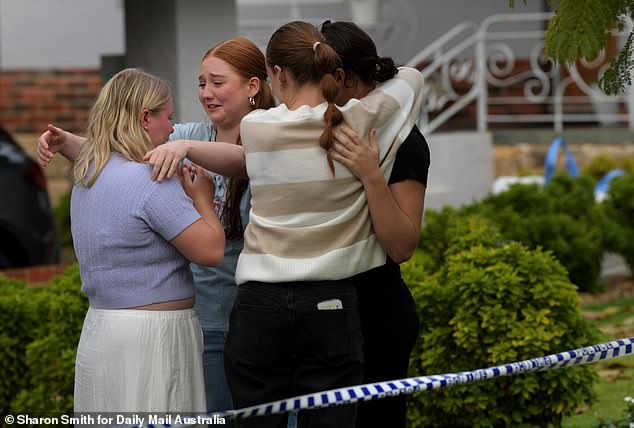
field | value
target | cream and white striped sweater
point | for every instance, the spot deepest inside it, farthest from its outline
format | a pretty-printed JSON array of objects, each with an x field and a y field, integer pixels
[{"x": 306, "y": 224}]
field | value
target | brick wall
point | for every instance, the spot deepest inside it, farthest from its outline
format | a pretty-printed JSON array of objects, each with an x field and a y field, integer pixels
[
  {"x": 36, "y": 275},
  {"x": 30, "y": 99}
]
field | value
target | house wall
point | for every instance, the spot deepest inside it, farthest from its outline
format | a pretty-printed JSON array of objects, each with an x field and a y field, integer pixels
[
  {"x": 403, "y": 27},
  {"x": 75, "y": 38},
  {"x": 30, "y": 99},
  {"x": 50, "y": 58},
  {"x": 45, "y": 34},
  {"x": 52, "y": 53}
]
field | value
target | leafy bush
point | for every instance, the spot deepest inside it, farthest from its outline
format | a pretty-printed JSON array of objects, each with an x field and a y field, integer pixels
[
  {"x": 602, "y": 164},
  {"x": 61, "y": 212},
  {"x": 43, "y": 325},
  {"x": 570, "y": 224},
  {"x": 495, "y": 302},
  {"x": 599, "y": 166},
  {"x": 434, "y": 240},
  {"x": 562, "y": 218},
  {"x": 627, "y": 164},
  {"x": 21, "y": 315},
  {"x": 619, "y": 209}
]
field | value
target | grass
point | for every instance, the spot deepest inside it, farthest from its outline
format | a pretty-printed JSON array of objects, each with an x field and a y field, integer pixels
[{"x": 615, "y": 318}]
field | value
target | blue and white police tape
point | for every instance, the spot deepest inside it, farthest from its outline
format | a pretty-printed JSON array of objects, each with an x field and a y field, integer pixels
[{"x": 371, "y": 391}]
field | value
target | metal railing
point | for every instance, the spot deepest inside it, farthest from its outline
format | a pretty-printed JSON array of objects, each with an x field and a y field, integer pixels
[{"x": 499, "y": 69}]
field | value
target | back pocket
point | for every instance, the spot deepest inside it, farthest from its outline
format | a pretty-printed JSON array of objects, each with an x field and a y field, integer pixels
[
  {"x": 328, "y": 333},
  {"x": 255, "y": 327}
]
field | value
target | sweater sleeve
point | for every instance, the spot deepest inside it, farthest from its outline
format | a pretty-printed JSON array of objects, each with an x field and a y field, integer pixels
[
  {"x": 392, "y": 109},
  {"x": 168, "y": 210}
]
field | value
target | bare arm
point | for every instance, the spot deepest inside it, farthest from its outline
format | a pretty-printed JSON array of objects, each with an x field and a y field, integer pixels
[
  {"x": 221, "y": 158},
  {"x": 55, "y": 140},
  {"x": 397, "y": 209},
  {"x": 202, "y": 242}
]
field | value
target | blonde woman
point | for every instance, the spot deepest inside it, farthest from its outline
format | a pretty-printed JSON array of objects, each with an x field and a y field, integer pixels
[
  {"x": 231, "y": 83},
  {"x": 141, "y": 343}
]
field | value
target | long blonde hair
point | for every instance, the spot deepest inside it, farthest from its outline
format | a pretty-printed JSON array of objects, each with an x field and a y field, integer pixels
[{"x": 114, "y": 124}]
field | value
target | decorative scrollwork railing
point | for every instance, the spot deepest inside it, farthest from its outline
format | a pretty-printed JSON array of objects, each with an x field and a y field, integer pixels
[{"x": 498, "y": 69}]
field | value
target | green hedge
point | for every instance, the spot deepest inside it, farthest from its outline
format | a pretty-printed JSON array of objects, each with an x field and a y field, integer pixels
[
  {"x": 493, "y": 302},
  {"x": 61, "y": 212},
  {"x": 41, "y": 327},
  {"x": 619, "y": 209},
  {"x": 562, "y": 217}
]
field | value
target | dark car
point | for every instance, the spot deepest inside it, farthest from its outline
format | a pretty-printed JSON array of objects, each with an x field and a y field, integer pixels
[{"x": 28, "y": 235}]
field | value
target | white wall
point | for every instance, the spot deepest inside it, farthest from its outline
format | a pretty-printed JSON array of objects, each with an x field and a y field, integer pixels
[
  {"x": 461, "y": 169},
  {"x": 44, "y": 34},
  {"x": 170, "y": 37}
]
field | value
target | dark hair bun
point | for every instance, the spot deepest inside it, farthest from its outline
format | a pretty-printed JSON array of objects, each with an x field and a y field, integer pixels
[{"x": 385, "y": 69}]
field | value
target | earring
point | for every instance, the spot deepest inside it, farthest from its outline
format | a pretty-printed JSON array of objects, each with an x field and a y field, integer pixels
[{"x": 252, "y": 101}]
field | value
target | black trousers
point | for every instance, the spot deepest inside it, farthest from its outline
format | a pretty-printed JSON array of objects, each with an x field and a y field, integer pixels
[
  {"x": 281, "y": 344},
  {"x": 390, "y": 329}
]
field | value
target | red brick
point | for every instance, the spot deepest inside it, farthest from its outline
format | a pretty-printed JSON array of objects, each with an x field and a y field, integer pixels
[
  {"x": 30, "y": 99},
  {"x": 36, "y": 275}
]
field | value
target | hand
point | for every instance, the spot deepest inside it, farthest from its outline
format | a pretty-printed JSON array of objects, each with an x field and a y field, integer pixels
[
  {"x": 197, "y": 183},
  {"x": 50, "y": 142},
  {"x": 165, "y": 158},
  {"x": 351, "y": 151}
]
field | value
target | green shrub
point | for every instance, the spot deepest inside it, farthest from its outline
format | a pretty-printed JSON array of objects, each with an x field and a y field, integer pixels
[
  {"x": 627, "y": 164},
  {"x": 61, "y": 212},
  {"x": 599, "y": 166},
  {"x": 21, "y": 318},
  {"x": 619, "y": 209},
  {"x": 495, "y": 302},
  {"x": 434, "y": 240},
  {"x": 43, "y": 326},
  {"x": 563, "y": 218}
]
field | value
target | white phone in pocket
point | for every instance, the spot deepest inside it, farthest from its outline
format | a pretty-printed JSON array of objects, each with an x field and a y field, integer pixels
[{"x": 329, "y": 305}]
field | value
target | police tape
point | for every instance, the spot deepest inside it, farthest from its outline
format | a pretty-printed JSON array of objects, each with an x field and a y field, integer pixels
[{"x": 372, "y": 391}]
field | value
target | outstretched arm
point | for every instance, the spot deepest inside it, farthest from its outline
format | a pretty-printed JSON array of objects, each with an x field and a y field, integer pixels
[
  {"x": 221, "y": 158},
  {"x": 396, "y": 210},
  {"x": 55, "y": 140}
]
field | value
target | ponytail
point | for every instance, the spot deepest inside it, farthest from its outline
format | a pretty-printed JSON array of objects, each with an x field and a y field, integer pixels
[
  {"x": 303, "y": 50},
  {"x": 358, "y": 52},
  {"x": 326, "y": 62}
]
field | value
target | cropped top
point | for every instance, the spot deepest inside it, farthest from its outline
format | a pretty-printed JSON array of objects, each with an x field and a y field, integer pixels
[{"x": 121, "y": 229}]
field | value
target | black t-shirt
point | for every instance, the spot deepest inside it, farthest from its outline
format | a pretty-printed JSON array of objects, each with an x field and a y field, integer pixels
[{"x": 412, "y": 159}]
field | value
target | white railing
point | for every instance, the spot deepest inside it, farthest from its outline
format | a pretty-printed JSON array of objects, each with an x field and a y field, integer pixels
[{"x": 498, "y": 67}]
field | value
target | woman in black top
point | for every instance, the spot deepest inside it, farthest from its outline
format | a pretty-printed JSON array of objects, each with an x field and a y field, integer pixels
[{"x": 388, "y": 312}]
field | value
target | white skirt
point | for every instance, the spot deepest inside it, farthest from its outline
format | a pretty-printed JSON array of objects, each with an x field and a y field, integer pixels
[{"x": 140, "y": 361}]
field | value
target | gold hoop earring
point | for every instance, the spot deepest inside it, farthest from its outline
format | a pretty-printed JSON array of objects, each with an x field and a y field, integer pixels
[{"x": 252, "y": 101}]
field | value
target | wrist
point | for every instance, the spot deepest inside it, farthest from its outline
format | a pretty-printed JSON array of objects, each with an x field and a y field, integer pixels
[
  {"x": 201, "y": 203},
  {"x": 186, "y": 146},
  {"x": 373, "y": 178}
]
